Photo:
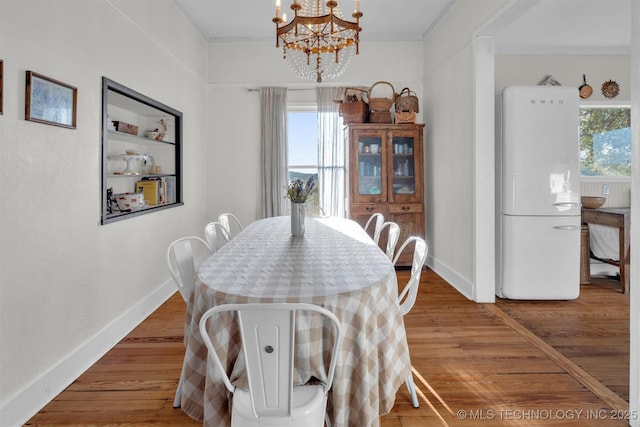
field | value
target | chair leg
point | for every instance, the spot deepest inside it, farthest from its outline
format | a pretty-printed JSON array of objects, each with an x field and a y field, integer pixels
[
  {"x": 412, "y": 390},
  {"x": 176, "y": 399}
]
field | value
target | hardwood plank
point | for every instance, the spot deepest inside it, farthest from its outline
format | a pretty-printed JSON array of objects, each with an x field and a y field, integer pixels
[
  {"x": 592, "y": 331},
  {"x": 472, "y": 366},
  {"x": 609, "y": 397}
]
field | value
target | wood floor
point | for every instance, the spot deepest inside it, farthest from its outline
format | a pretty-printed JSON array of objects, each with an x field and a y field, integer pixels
[{"x": 474, "y": 365}]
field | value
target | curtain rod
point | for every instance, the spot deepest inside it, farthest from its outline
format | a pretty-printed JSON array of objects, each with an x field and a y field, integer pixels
[{"x": 254, "y": 89}]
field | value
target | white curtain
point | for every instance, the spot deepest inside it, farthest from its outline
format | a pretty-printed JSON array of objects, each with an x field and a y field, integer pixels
[
  {"x": 274, "y": 150},
  {"x": 331, "y": 152}
]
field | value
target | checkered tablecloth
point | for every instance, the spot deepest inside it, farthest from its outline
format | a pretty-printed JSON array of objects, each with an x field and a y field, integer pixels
[{"x": 335, "y": 265}]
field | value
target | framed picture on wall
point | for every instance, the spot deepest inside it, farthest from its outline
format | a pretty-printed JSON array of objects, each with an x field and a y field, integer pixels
[{"x": 50, "y": 101}]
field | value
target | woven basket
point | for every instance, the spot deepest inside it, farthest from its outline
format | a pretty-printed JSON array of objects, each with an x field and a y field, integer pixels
[
  {"x": 380, "y": 117},
  {"x": 405, "y": 117},
  {"x": 354, "y": 112},
  {"x": 380, "y": 104},
  {"x": 353, "y": 109},
  {"x": 408, "y": 102}
]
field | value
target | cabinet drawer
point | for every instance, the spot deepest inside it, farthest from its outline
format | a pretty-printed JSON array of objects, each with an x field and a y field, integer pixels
[
  {"x": 369, "y": 208},
  {"x": 405, "y": 207}
]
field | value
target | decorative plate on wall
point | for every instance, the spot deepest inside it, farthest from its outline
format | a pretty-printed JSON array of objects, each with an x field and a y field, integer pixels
[{"x": 610, "y": 89}]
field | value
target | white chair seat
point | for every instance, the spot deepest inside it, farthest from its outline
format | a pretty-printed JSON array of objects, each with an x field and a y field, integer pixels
[{"x": 309, "y": 403}]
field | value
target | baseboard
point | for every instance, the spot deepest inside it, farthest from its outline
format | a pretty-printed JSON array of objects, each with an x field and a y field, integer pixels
[
  {"x": 462, "y": 285},
  {"x": 19, "y": 408}
]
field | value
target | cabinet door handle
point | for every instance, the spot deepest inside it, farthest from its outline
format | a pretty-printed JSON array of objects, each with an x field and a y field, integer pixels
[
  {"x": 406, "y": 208},
  {"x": 368, "y": 208}
]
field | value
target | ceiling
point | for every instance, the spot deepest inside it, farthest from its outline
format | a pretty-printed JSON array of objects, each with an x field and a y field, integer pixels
[
  {"x": 250, "y": 20},
  {"x": 570, "y": 26},
  {"x": 537, "y": 25}
]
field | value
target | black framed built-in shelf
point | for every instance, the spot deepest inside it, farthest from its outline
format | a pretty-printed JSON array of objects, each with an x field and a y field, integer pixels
[{"x": 141, "y": 154}]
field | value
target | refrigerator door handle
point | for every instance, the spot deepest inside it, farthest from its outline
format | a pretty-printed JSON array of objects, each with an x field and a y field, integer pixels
[
  {"x": 567, "y": 204},
  {"x": 567, "y": 227}
]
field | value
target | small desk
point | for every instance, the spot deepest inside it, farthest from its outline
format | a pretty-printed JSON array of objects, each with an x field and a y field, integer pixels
[
  {"x": 619, "y": 218},
  {"x": 335, "y": 265}
]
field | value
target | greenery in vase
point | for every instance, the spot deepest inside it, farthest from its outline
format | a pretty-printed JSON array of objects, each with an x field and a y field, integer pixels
[{"x": 299, "y": 190}]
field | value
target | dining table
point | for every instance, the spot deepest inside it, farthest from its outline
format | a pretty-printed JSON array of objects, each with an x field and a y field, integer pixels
[{"x": 336, "y": 265}]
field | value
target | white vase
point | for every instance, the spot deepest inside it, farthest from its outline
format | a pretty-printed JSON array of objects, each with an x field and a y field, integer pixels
[{"x": 297, "y": 219}]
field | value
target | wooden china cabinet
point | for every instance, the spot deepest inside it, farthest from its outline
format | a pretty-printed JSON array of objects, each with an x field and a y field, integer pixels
[{"x": 386, "y": 175}]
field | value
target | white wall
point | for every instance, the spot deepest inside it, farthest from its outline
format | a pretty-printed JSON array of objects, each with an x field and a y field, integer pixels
[
  {"x": 619, "y": 192},
  {"x": 70, "y": 287},
  {"x": 449, "y": 169},
  {"x": 234, "y": 112},
  {"x": 568, "y": 70}
]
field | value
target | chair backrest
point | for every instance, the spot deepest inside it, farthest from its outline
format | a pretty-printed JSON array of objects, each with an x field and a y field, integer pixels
[
  {"x": 268, "y": 333},
  {"x": 216, "y": 235},
  {"x": 393, "y": 235},
  {"x": 377, "y": 219},
  {"x": 407, "y": 296},
  {"x": 184, "y": 255},
  {"x": 231, "y": 223}
]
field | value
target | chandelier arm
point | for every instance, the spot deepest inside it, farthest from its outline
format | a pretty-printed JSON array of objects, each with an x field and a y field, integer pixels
[
  {"x": 286, "y": 28},
  {"x": 324, "y": 19},
  {"x": 347, "y": 24},
  {"x": 312, "y": 34}
]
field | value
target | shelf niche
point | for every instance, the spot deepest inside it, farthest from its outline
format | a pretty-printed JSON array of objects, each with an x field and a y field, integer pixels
[{"x": 131, "y": 155}]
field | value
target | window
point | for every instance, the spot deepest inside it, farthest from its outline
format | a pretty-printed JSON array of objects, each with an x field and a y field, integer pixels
[
  {"x": 605, "y": 140},
  {"x": 316, "y": 148},
  {"x": 303, "y": 146}
]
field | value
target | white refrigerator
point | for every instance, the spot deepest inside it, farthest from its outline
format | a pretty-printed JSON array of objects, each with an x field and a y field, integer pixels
[{"x": 538, "y": 193}]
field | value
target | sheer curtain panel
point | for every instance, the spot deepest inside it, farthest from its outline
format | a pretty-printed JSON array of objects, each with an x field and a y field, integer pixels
[
  {"x": 274, "y": 150},
  {"x": 331, "y": 152}
]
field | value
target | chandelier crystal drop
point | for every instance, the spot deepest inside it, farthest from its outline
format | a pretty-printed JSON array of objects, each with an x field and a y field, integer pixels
[{"x": 318, "y": 43}]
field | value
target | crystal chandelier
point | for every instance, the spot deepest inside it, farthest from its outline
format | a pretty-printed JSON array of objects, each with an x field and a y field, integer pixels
[{"x": 318, "y": 43}]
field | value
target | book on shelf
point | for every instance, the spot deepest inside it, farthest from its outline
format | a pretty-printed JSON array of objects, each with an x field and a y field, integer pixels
[
  {"x": 154, "y": 189},
  {"x": 170, "y": 188}
]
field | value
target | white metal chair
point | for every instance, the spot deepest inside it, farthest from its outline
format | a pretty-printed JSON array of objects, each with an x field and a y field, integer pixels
[
  {"x": 268, "y": 333},
  {"x": 407, "y": 297},
  {"x": 393, "y": 235},
  {"x": 183, "y": 257},
  {"x": 377, "y": 219},
  {"x": 231, "y": 223},
  {"x": 216, "y": 235}
]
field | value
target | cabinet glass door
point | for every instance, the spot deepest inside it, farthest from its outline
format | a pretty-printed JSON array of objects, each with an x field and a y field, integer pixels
[
  {"x": 369, "y": 165},
  {"x": 403, "y": 164}
]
